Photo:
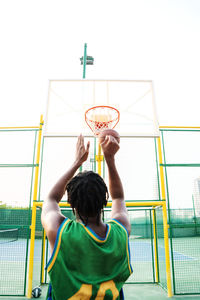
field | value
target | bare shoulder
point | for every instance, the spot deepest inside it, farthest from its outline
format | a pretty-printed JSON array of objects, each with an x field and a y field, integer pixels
[
  {"x": 124, "y": 220},
  {"x": 119, "y": 213},
  {"x": 51, "y": 219},
  {"x": 51, "y": 223}
]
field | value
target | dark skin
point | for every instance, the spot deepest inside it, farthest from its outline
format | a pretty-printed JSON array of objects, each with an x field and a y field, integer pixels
[{"x": 51, "y": 213}]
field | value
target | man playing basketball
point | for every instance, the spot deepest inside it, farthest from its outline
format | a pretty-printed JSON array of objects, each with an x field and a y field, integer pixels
[{"x": 90, "y": 259}]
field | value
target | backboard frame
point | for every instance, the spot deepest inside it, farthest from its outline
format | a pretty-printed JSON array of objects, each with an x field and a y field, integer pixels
[{"x": 87, "y": 133}]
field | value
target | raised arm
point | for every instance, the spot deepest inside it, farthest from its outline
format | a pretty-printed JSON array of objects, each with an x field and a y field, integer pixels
[
  {"x": 51, "y": 214},
  {"x": 119, "y": 212}
]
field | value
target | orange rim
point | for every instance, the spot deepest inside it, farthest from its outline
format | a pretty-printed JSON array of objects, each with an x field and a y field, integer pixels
[{"x": 106, "y": 124}]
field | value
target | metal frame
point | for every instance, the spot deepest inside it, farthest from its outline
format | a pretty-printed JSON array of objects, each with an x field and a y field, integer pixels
[
  {"x": 145, "y": 135},
  {"x": 33, "y": 222},
  {"x": 136, "y": 204},
  {"x": 33, "y": 165},
  {"x": 143, "y": 204},
  {"x": 163, "y": 201},
  {"x": 165, "y": 165}
]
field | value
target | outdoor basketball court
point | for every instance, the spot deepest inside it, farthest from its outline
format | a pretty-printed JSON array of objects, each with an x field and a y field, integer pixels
[
  {"x": 141, "y": 260},
  {"x": 165, "y": 240}
]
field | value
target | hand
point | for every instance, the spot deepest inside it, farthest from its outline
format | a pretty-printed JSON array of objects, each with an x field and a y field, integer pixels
[
  {"x": 109, "y": 146},
  {"x": 81, "y": 151}
]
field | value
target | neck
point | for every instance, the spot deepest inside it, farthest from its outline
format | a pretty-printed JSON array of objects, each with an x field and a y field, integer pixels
[{"x": 91, "y": 220}]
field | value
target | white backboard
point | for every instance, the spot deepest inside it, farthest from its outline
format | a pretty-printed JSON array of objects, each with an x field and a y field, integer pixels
[{"x": 69, "y": 99}]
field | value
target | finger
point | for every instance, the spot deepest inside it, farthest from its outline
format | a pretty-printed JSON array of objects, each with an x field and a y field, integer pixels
[
  {"x": 113, "y": 139},
  {"x": 78, "y": 141},
  {"x": 105, "y": 140},
  {"x": 88, "y": 146},
  {"x": 81, "y": 139}
]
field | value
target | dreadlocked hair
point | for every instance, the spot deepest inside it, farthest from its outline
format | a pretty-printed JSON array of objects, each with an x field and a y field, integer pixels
[{"x": 87, "y": 194}]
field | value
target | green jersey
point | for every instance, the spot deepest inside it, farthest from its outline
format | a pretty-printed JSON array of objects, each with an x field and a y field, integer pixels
[{"x": 84, "y": 266}]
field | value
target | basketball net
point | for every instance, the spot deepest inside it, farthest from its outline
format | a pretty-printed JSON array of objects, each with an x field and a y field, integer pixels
[{"x": 99, "y": 118}]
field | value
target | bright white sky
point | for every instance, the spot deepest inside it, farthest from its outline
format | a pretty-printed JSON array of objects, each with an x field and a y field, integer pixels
[{"x": 136, "y": 39}]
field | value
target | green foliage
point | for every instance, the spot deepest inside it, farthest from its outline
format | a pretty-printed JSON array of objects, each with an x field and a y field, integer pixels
[{"x": 5, "y": 206}]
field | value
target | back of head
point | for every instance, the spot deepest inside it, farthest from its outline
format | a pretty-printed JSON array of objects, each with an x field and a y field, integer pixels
[{"x": 87, "y": 194}]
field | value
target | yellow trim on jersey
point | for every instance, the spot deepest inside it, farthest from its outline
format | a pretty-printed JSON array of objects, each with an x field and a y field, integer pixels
[
  {"x": 95, "y": 236},
  {"x": 55, "y": 252},
  {"x": 127, "y": 247}
]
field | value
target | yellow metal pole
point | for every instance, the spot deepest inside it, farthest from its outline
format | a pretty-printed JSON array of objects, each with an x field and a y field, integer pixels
[
  {"x": 162, "y": 181},
  {"x": 33, "y": 221},
  {"x": 43, "y": 255},
  {"x": 21, "y": 127},
  {"x": 179, "y": 127},
  {"x": 165, "y": 224},
  {"x": 155, "y": 245},
  {"x": 31, "y": 255},
  {"x": 167, "y": 256},
  {"x": 128, "y": 204},
  {"x": 99, "y": 159}
]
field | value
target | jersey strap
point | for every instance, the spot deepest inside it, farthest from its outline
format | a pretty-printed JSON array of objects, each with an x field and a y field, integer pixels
[
  {"x": 95, "y": 236},
  {"x": 57, "y": 244},
  {"x": 127, "y": 243}
]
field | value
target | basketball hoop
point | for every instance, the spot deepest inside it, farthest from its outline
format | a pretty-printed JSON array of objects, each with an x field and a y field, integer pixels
[{"x": 99, "y": 118}]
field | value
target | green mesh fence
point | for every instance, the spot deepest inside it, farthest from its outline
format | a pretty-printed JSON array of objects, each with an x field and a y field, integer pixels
[
  {"x": 37, "y": 249},
  {"x": 185, "y": 242},
  {"x": 9, "y": 235},
  {"x": 161, "y": 247},
  {"x": 185, "y": 255},
  {"x": 182, "y": 171},
  {"x": 141, "y": 245},
  {"x": 16, "y": 176},
  {"x": 14, "y": 237}
]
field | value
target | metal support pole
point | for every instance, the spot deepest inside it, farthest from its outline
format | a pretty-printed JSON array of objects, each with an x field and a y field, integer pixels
[
  {"x": 165, "y": 224},
  {"x": 99, "y": 159},
  {"x": 155, "y": 246},
  {"x": 84, "y": 60},
  {"x": 167, "y": 256},
  {"x": 43, "y": 256},
  {"x": 33, "y": 222},
  {"x": 84, "y": 72},
  {"x": 128, "y": 204}
]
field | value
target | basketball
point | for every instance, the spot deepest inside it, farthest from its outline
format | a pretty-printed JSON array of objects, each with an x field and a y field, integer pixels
[
  {"x": 36, "y": 292},
  {"x": 106, "y": 132}
]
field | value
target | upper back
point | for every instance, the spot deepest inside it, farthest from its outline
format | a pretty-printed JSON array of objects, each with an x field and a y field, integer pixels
[{"x": 80, "y": 255}]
